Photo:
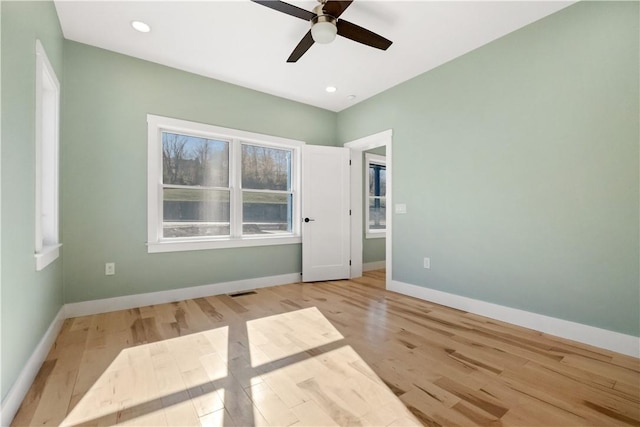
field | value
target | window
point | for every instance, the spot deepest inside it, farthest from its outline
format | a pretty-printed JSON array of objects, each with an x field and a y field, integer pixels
[
  {"x": 267, "y": 196},
  {"x": 375, "y": 195},
  {"x": 47, "y": 245},
  {"x": 195, "y": 186},
  {"x": 212, "y": 187}
]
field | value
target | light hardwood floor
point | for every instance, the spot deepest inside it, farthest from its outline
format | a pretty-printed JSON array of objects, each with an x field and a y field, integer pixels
[{"x": 343, "y": 352}]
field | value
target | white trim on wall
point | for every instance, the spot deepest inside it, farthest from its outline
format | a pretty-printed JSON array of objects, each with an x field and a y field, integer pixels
[
  {"x": 19, "y": 389},
  {"x": 610, "y": 340},
  {"x": 46, "y": 149},
  {"x": 106, "y": 305},
  {"x": 384, "y": 138}
]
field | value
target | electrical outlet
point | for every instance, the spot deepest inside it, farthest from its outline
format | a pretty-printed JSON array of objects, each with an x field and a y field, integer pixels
[
  {"x": 427, "y": 263},
  {"x": 110, "y": 269}
]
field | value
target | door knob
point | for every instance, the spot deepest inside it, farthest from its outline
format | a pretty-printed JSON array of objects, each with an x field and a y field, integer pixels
[{"x": 308, "y": 219}]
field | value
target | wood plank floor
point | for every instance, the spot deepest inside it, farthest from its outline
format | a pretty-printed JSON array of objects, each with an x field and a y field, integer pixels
[{"x": 328, "y": 353}]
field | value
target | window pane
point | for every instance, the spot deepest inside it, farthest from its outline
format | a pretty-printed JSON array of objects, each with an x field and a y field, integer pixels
[
  {"x": 377, "y": 213},
  {"x": 266, "y": 213},
  {"x": 377, "y": 180},
  {"x": 195, "y": 212},
  {"x": 265, "y": 168},
  {"x": 189, "y": 160}
]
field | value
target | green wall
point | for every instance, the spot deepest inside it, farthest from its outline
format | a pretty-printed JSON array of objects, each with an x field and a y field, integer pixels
[
  {"x": 373, "y": 250},
  {"x": 30, "y": 299},
  {"x": 104, "y": 171},
  {"x": 518, "y": 163}
]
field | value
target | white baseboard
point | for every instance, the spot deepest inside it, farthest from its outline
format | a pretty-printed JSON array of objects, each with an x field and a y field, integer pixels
[
  {"x": 614, "y": 341},
  {"x": 18, "y": 391},
  {"x": 374, "y": 265},
  {"x": 86, "y": 308}
]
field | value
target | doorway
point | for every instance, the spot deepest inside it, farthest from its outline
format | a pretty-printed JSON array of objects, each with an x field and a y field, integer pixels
[{"x": 357, "y": 150}]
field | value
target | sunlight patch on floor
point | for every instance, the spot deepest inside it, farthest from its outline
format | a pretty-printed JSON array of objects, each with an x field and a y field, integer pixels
[
  {"x": 284, "y": 335},
  {"x": 285, "y": 369},
  {"x": 150, "y": 384}
]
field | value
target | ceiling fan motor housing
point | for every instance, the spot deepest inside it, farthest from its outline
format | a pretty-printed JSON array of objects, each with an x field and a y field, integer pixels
[{"x": 323, "y": 28}]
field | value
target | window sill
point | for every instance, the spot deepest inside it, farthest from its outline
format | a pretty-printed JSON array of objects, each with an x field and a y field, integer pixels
[
  {"x": 46, "y": 256},
  {"x": 378, "y": 235},
  {"x": 190, "y": 245}
]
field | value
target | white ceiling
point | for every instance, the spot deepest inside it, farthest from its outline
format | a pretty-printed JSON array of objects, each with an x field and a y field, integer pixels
[{"x": 247, "y": 44}]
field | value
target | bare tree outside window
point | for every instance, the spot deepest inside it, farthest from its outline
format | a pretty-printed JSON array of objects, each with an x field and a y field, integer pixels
[
  {"x": 195, "y": 186},
  {"x": 267, "y": 171},
  {"x": 196, "y": 191}
]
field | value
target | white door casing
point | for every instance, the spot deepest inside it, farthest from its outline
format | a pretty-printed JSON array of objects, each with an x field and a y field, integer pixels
[
  {"x": 325, "y": 203},
  {"x": 380, "y": 139}
]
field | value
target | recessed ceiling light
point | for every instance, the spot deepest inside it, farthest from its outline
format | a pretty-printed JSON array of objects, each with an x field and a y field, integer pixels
[
  {"x": 331, "y": 89},
  {"x": 140, "y": 26},
  {"x": 351, "y": 97}
]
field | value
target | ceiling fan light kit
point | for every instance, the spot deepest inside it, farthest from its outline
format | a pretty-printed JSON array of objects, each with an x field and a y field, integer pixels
[
  {"x": 323, "y": 29},
  {"x": 325, "y": 25}
]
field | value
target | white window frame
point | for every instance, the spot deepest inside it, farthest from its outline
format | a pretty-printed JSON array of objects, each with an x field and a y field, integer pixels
[
  {"x": 155, "y": 240},
  {"x": 369, "y": 159},
  {"x": 47, "y": 146}
]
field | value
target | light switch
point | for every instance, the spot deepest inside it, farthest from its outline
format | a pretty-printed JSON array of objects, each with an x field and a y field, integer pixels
[{"x": 401, "y": 208}]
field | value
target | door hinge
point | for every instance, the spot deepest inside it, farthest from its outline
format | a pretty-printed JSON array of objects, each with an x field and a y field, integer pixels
[
  {"x": 349, "y": 162},
  {"x": 349, "y": 211},
  {"x": 349, "y": 262}
]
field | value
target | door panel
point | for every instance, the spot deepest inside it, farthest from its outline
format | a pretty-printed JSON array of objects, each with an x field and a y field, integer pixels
[{"x": 325, "y": 203}]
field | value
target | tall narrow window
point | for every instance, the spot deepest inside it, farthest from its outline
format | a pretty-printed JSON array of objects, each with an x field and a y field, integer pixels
[
  {"x": 375, "y": 195},
  {"x": 46, "y": 156},
  {"x": 211, "y": 187}
]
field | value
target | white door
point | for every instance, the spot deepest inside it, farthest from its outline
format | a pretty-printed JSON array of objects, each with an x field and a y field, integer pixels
[{"x": 325, "y": 213}]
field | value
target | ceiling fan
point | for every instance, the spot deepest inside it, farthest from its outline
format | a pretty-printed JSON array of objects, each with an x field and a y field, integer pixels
[{"x": 325, "y": 25}]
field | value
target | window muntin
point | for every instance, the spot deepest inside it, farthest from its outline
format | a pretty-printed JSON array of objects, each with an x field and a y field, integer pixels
[
  {"x": 376, "y": 191},
  {"x": 215, "y": 187}
]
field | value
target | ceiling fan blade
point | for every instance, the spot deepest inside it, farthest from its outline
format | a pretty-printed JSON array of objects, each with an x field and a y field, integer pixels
[
  {"x": 362, "y": 35},
  {"x": 303, "y": 46},
  {"x": 336, "y": 7},
  {"x": 287, "y": 8}
]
